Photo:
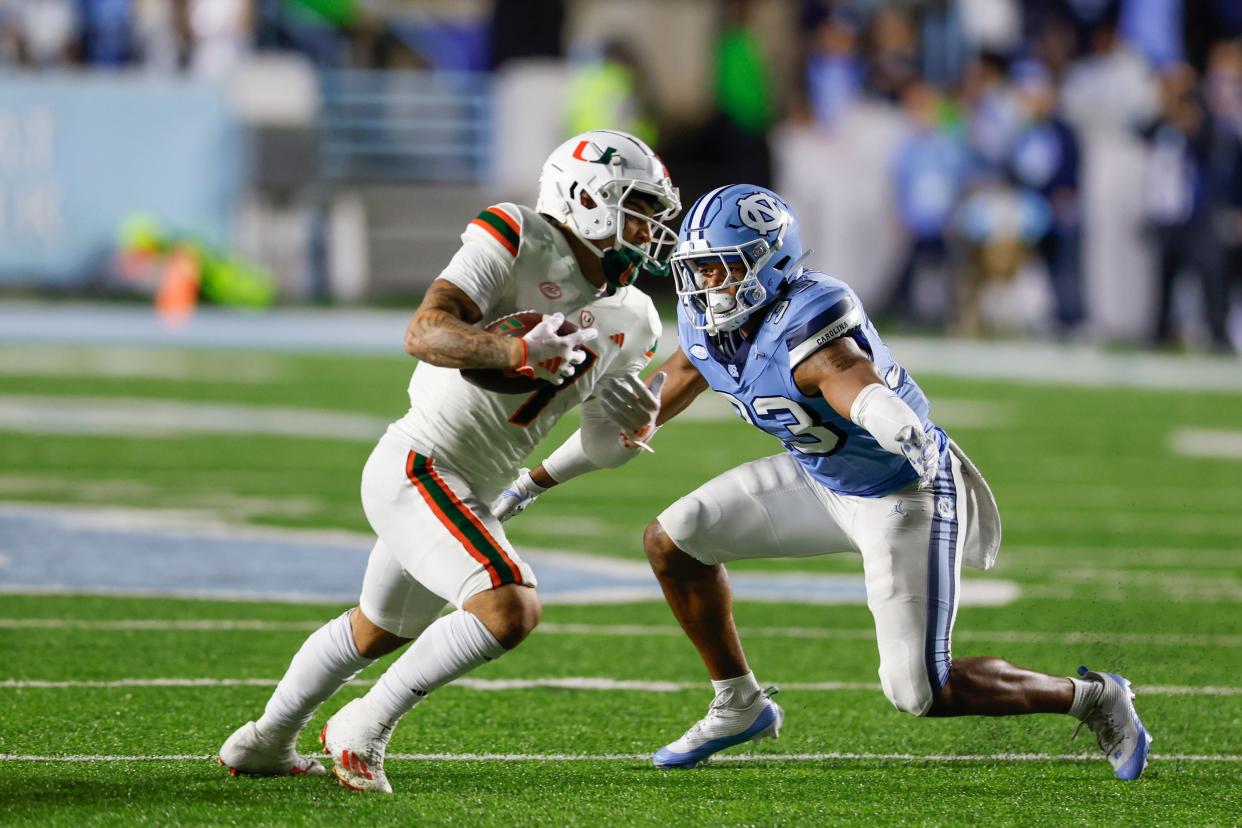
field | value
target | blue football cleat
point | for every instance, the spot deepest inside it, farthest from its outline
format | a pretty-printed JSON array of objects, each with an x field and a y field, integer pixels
[
  {"x": 723, "y": 727},
  {"x": 1116, "y": 725}
]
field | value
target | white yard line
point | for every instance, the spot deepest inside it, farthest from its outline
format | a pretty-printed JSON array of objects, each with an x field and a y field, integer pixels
[
  {"x": 589, "y": 683},
  {"x": 644, "y": 757},
  {"x": 638, "y": 630},
  {"x": 160, "y": 417},
  {"x": 141, "y": 363},
  {"x": 1218, "y": 444}
]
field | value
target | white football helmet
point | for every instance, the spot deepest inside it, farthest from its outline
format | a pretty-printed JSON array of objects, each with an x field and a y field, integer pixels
[{"x": 610, "y": 167}]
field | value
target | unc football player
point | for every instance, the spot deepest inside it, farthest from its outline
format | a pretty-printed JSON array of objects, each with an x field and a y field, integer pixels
[
  {"x": 597, "y": 225},
  {"x": 863, "y": 468}
]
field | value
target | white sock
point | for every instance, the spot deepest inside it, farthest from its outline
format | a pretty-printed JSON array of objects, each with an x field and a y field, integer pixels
[
  {"x": 451, "y": 647},
  {"x": 745, "y": 689},
  {"x": 1086, "y": 694},
  {"x": 327, "y": 660}
]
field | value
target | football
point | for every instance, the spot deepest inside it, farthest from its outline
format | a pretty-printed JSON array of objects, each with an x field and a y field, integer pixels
[{"x": 502, "y": 380}]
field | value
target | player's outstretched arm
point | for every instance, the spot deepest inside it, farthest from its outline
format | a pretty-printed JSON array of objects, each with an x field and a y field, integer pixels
[
  {"x": 674, "y": 384},
  {"x": 442, "y": 332},
  {"x": 595, "y": 445},
  {"x": 682, "y": 384},
  {"x": 848, "y": 381}
]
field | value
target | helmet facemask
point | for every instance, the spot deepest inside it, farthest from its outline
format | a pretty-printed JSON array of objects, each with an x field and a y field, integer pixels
[
  {"x": 726, "y": 306},
  {"x": 625, "y": 260}
]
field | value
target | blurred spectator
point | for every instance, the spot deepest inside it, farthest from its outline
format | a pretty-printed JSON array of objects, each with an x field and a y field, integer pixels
[
  {"x": 736, "y": 137},
  {"x": 1223, "y": 93},
  {"x": 1045, "y": 158},
  {"x": 928, "y": 175},
  {"x": 731, "y": 144},
  {"x": 994, "y": 230},
  {"x": 991, "y": 25},
  {"x": 892, "y": 59},
  {"x": 1054, "y": 45},
  {"x": 992, "y": 111},
  {"x": 1223, "y": 85},
  {"x": 1085, "y": 17},
  {"x": 106, "y": 32},
  {"x": 743, "y": 73},
  {"x": 834, "y": 68},
  {"x": 1154, "y": 29},
  {"x": 1185, "y": 188},
  {"x": 1224, "y": 96},
  {"x": 1112, "y": 87},
  {"x": 222, "y": 31},
  {"x": 161, "y": 34},
  {"x": 44, "y": 32},
  {"x": 1207, "y": 22},
  {"x": 611, "y": 93},
  {"x": 942, "y": 45}
]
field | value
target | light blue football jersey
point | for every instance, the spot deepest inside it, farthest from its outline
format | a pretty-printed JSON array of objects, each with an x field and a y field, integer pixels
[{"x": 757, "y": 377}]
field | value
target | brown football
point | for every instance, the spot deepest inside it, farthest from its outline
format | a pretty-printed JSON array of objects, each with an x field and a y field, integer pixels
[{"x": 502, "y": 380}]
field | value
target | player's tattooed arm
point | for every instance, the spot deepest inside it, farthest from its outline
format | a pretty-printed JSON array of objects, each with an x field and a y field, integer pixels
[
  {"x": 683, "y": 384},
  {"x": 837, "y": 371},
  {"x": 442, "y": 332}
]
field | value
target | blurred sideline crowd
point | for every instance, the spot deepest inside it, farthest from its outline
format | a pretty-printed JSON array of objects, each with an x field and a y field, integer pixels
[{"x": 998, "y": 137}]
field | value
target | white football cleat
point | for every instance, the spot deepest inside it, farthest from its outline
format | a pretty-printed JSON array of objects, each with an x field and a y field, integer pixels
[
  {"x": 1116, "y": 725},
  {"x": 356, "y": 739},
  {"x": 247, "y": 753},
  {"x": 723, "y": 727}
]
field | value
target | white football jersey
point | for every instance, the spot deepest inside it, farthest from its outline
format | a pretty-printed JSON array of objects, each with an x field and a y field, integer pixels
[{"x": 512, "y": 260}]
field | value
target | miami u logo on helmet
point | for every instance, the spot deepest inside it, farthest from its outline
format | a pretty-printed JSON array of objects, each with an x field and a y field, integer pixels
[{"x": 605, "y": 157}]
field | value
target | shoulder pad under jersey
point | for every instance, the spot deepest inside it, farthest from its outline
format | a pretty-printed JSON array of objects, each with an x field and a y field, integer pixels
[{"x": 816, "y": 317}]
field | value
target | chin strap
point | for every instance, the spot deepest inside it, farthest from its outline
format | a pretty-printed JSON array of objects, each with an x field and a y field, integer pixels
[{"x": 622, "y": 265}]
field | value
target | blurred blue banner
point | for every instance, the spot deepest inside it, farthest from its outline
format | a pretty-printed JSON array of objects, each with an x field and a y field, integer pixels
[{"x": 79, "y": 154}]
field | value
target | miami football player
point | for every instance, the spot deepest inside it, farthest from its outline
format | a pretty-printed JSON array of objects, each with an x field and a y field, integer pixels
[
  {"x": 597, "y": 225},
  {"x": 864, "y": 468}
]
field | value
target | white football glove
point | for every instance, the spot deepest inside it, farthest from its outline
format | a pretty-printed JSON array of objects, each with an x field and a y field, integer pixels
[
  {"x": 549, "y": 356},
  {"x": 628, "y": 402},
  {"x": 922, "y": 452},
  {"x": 641, "y": 436},
  {"x": 516, "y": 497}
]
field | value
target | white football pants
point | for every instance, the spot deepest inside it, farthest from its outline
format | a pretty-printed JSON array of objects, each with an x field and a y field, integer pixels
[
  {"x": 910, "y": 544},
  {"x": 438, "y": 543}
]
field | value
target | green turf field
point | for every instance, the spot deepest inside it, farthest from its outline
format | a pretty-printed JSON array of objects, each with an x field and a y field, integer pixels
[{"x": 1128, "y": 555}]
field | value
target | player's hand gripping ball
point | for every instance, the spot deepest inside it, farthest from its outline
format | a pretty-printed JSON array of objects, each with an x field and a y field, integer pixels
[{"x": 532, "y": 376}]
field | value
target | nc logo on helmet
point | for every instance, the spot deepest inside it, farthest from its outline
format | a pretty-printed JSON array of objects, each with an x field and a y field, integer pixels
[{"x": 761, "y": 213}]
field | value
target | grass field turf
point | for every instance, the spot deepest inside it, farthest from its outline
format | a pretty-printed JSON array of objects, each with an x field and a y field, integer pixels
[{"x": 1107, "y": 532}]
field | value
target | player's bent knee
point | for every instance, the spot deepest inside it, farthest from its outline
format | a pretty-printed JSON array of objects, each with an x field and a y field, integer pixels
[
  {"x": 657, "y": 544},
  {"x": 372, "y": 640},
  {"x": 664, "y": 555},
  {"x": 908, "y": 690},
  {"x": 510, "y": 612}
]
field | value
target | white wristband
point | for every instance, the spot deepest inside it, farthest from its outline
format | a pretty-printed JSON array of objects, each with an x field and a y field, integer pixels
[
  {"x": 884, "y": 414},
  {"x": 529, "y": 484}
]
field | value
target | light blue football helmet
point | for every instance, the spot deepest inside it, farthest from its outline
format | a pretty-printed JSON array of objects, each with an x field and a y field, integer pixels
[{"x": 740, "y": 224}]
